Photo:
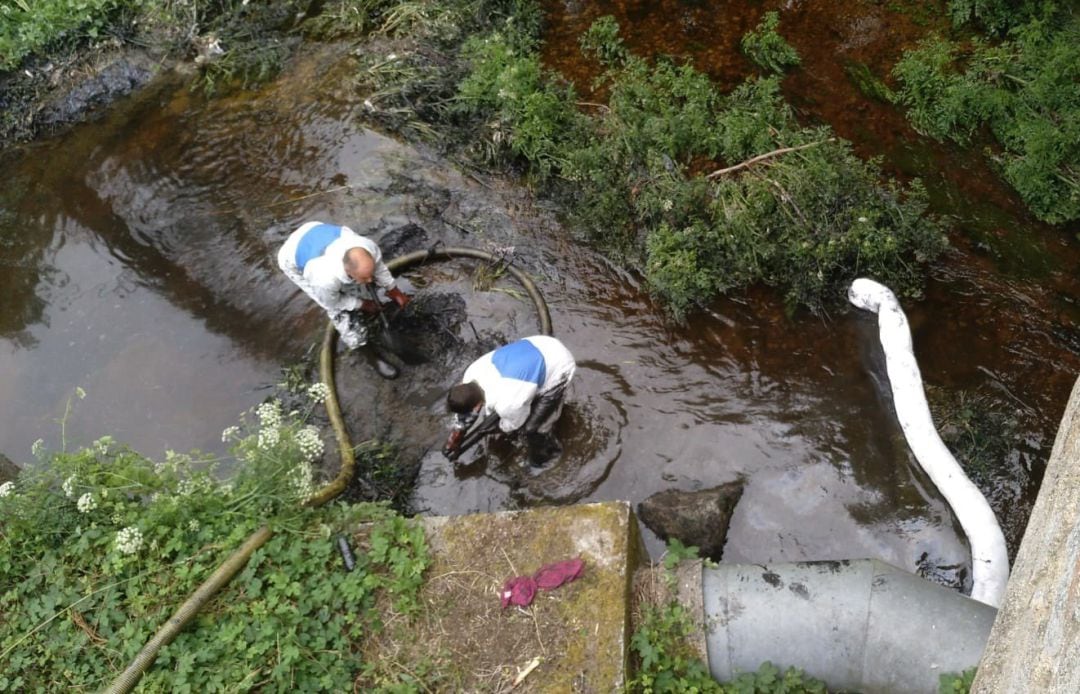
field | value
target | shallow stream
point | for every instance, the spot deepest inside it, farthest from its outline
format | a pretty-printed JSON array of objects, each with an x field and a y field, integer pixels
[{"x": 138, "y": 254}]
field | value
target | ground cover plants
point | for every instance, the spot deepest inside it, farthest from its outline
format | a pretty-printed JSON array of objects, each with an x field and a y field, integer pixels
[
  {"x": 99, "y": 545},
  {"x": 703, "y": 192},
  {"x": 1019, "y": 94}
]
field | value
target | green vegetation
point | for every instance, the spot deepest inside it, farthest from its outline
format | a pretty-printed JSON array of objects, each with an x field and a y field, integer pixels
[
  {"x": 956, "y": 683},
  {"x": 1022, "y": 90},
  {"x": 980, "y": 431},
  {"x": 768, "y": 48},
  {"x": 100, "y": 546},
  {"x": 27, "y": 26},
  {"x": 806, "y": 218},
  {"x": 999, "y": 16}
]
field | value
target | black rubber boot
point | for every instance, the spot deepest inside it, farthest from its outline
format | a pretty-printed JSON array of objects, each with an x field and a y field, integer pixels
[
  {"x": 542, "y": 448},
  {"x": 381, "y": 361}
]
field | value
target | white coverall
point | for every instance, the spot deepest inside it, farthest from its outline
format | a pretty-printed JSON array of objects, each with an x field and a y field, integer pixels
[
  {"x": 313, "y": 258},
  {"x": 516, "y": 375}
]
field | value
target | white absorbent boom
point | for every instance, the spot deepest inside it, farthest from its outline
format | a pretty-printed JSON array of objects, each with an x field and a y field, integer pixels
[{"x": 989, "y": 558}]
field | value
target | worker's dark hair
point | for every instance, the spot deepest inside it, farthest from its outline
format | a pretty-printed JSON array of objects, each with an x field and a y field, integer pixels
[{"x": 464, "y": 397}]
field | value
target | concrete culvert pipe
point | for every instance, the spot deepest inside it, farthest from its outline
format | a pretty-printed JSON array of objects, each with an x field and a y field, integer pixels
[{"x": 858, "y": 625}]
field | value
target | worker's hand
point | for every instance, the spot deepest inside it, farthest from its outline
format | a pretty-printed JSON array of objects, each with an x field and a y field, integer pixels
[
  {"x": 399, "y": 297},
  {"x": 369, "y": 307},
  {"x": 450, "y": 450}
]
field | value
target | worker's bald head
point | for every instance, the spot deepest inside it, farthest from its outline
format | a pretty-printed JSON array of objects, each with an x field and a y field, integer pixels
[{"x": 359, "y": 265}]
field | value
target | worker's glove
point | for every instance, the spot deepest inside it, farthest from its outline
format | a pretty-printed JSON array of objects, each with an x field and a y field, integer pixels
[
  {"x": 399, "y": 297},
  {"x": 450, "y": 449},
  {"x": 369, "y": 307}
]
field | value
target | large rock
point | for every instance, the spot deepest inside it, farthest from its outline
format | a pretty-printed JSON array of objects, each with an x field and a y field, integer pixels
[
  {"x": 8, "y": 469},
  {"x": 698, "y": 518}
]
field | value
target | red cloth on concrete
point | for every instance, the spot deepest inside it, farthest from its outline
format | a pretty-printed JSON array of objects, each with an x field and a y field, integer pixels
[
  {"x": 520, "y": 590},
  {"x": 554, "y": 575}
]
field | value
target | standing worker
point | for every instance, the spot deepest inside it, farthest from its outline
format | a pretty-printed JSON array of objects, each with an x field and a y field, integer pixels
[
  {"x": 334, "y": 266},
  {"x": 523, "y": 384}
]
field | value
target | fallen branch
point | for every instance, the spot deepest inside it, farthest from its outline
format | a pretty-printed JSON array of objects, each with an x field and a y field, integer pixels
[{"x": 767, "y": 155}]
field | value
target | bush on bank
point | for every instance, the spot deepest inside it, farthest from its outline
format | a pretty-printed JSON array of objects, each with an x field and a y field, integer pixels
[
  {"x": 1022, "y": 90},
  {"x": 101, "y": 545},
  {"x": 643, "y": 173},
  {"x": 640, "y": 172}
]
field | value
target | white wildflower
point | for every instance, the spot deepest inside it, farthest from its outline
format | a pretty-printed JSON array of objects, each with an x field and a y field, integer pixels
[
  {"x": 102, "y": 445},
  {"x": 38, "y": 448},
  {"x": 311, "y": 445},
  {"x": 269, "y": 413},
  {"x": 69, "y": 487},
  {"x": 268, "y": 438},
  {"x": 226, "y": 489},
  {"x": 186, "y": 487},
  {"x": 86, "y": 503},
  {"x": 668, "y": 205},
  {"x": 863, "y": 220},
  {"x": 318, "y": 392},
  {"x": 229, "y": 433},
  {"x": 193, "y": 525},
  {"x": 300, "y": 478},
  {"x": 6, "y": 488},
  {"x": 129, "y": 540},
  {"x": 116, "y": 519}
]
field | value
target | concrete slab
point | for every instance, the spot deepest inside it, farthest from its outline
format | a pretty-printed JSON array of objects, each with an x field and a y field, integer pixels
[
  {"x": 578, "y": 631},
  {"x": 1036, "y": 637}
]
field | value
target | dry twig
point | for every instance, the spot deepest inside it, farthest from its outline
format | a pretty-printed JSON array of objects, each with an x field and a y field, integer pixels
[{"x": 767, "y": 155}]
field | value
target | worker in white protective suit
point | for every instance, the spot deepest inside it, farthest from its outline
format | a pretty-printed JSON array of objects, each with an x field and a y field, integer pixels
[
  {"x": 335, "y": 266},
  {"x": 519, "y": 386}
]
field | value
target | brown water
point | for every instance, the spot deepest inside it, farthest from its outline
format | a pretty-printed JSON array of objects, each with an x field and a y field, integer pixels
[{"x": 140, "y": 256}]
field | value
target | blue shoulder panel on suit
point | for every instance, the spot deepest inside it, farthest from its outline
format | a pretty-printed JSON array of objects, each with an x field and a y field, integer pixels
[
  {"x": 314, "y": 243},
  {"x": 520, "y": 360}
]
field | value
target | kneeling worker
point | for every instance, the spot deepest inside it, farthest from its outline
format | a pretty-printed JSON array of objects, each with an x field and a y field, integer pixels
[
  {"x": 333, "y": 264},
  {"x": 523, "y": 383}
]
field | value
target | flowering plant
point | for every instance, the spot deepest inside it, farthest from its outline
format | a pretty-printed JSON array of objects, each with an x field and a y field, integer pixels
[{"x": 99, "y": 545}]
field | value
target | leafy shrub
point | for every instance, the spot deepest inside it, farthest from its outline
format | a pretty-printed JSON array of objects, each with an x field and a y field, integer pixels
[
  {"x": 99, "y": 547},
  {"x": 999, "y": 16},
  {"x": 807, "y": 219},
  {"x": 1024, "y": 90},
  {"x": 768, "y": 48},
  {"x": 956, "y": 683}
]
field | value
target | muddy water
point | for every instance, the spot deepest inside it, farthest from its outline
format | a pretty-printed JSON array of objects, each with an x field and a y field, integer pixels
[{"x": 142, "y": 270}]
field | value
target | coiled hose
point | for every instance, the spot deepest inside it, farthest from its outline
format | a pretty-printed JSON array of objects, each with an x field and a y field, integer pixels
[{"x": 129, "y": 678}]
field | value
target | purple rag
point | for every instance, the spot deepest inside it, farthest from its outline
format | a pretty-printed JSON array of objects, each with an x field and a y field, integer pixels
[{"x": 520, "y": 590}]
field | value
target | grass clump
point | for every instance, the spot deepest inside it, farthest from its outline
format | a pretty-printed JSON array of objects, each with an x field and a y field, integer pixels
[
  {"x": 28, "y": 26},
  {"x": 101, "y": 545},
  {"x": 1022, "y": 91},
  {"x": 766, "y": 47}
]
